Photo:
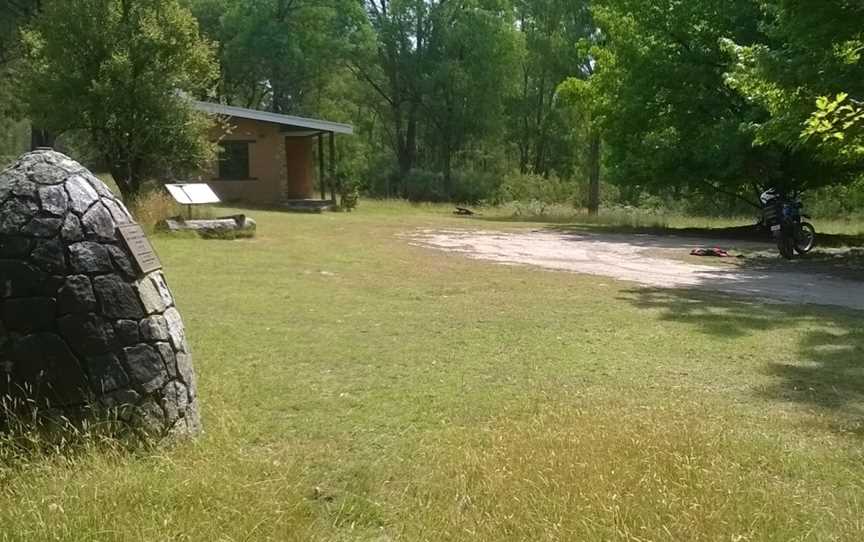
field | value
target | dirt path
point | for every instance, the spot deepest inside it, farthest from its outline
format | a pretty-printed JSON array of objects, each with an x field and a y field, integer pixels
[{"x": 640, "y": 259}]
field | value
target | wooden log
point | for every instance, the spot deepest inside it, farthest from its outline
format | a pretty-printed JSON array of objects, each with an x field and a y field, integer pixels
[{"x": 225, "y": 227}]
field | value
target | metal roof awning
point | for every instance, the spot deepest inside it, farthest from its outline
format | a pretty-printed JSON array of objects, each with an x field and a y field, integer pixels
[{"x": 291, "y": 123}]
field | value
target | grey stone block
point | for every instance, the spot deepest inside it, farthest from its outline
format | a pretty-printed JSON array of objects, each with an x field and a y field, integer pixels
[
  {"x": 76, "y": 296},
  {"x": 88, "y": 334},
  {"x": 71, "y": 230},
  {"x": 154, "y": 328},
  {"x": 89, "y": 257},
  {"x": 117, "y": 298},
  {"x": 54, "y": 200},
  {"x": 127, "y": 332},
  {"x": 48, "y": 256},
  {"x": 81, "y": 194}
]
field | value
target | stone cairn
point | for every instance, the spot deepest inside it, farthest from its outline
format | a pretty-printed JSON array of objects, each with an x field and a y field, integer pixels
[{"x": 81, "y": 329}]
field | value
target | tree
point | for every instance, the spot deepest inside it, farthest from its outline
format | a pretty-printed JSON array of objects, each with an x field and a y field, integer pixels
[
  {"x": 440, "y": 71},
  {"x": 551, "y": 32},
  {"x": 394, "y": 68},
  {"x": 118, "y": 70},
  {"x": 15, "y": 14},
  {"x": 278, "y": 54},
  {"x": 583, "y": 98},
  {"x": 670, "y": 123},
  {"x": 463, "y": 100},
  {"x": 807, "y": 73}
]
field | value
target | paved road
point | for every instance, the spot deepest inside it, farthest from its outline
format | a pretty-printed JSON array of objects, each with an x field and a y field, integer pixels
[{"x": 639, "y": 258}]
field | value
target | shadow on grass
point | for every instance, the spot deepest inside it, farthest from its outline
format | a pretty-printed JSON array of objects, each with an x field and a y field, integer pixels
[{"x": 828, "y": 370}]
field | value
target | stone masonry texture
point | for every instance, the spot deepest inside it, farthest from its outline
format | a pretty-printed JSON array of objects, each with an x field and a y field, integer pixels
[{"x": 79, "y": 326}]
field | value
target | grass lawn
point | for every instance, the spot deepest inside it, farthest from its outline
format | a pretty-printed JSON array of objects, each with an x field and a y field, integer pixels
[{"x": 355, "y": 387}]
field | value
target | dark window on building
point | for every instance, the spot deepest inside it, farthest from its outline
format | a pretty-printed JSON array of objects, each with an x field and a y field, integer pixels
[{"x": 234, "y": 161}]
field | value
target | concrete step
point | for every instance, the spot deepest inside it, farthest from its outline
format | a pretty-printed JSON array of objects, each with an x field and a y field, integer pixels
[{"x": 308, "y": 205}]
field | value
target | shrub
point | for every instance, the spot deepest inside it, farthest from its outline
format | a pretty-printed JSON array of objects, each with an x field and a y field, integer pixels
[
  {"x": 473, "y": 186},
  {"x": 349, "y": 195},
  {"x": 531, "y": 187},
  {"x": 842, "y": 201},
  {"x": 424, "y": 185}
]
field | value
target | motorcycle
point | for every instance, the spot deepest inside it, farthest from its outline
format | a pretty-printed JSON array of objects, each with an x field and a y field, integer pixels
[{"x": 783, "y": 217}]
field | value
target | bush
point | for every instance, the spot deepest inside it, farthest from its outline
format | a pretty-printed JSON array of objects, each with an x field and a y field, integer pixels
[
  {"x": 531, "y": 187},
  {"x": 349, "y": 194},
  {"x": 473, "y": 187},
  {"x": 424, "y": 185},
  {"x": 837, "y": 201},
  {"x": 14, "y": 140}
]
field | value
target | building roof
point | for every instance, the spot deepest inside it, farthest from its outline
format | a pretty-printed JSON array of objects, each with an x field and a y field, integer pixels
[{"x": 275, "y": 118}]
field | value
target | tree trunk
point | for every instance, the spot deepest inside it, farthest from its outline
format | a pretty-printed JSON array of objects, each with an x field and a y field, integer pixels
[
  {"x": 406, "y": 147},
  {"x": 594, "y": 175},
  {"x": 448, "y": 173},
  {"x": 125, "y": 180}
]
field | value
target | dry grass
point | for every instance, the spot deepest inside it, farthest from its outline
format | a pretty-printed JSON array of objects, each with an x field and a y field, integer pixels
[
  {"x": 154, "y": 206},
  {"x": 356, "y": 388},
  {"x": 626, "y": 472}
]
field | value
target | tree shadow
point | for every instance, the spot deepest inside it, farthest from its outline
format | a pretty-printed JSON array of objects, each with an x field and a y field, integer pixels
[
  {"x": 749, "y": 269},
  {"x": 827, "y": 373},
  {"x": 735, "y": 233}
]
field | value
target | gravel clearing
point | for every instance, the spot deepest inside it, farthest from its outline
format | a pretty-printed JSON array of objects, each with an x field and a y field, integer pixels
[{"x": 638, "y": 258}]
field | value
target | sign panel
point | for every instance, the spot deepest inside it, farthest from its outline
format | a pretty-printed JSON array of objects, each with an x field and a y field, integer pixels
[
  {"x": 138, "y": 244},
  {"x": 179, "y": 195},
  {"x": 192, "y": 193}
]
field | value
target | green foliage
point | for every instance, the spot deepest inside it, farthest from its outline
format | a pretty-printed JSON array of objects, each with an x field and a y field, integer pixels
[
  {"x": 667, "y": 117},
  {"x": 349, "y": 197},
  {"x": 845, "y": 201},
  {"x": 838, "y": 127},
  {"x": 810, "y": 49},
  {"x": 680, "y": 101},
  {"x": 437, "y": 75},
  {"x": 278, "y": 55},
  {"x": 116, "y": 70},
  {"x": 15, "y": 14},
  {"x": 552, "y": 34},
  {"x": 464, "y": 96},
  {"x": 807, "y": 73},
  {"x": 14, "y": 140},
  {"x": 528, "y": 187}
]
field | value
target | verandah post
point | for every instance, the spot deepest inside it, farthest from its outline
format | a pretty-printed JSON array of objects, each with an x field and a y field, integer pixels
[
  {"x": 333, "y": 166},
  {"x": 321, "y": 180}
]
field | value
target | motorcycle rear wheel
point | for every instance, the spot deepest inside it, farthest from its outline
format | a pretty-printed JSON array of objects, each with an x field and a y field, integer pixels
[{"x": 805, "y": 238}]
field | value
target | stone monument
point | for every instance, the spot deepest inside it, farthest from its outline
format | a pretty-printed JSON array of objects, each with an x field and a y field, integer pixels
[{"x": 87, "y": 322}]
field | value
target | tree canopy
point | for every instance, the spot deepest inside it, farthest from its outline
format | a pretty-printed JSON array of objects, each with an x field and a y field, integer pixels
[
  {"x": 453, "y": 97},
  {"x": 118, "y": 70}
]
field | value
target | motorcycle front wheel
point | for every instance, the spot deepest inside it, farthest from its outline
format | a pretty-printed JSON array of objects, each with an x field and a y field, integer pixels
[
  {"x": 785, "y": 244},
  {"x": 805, "y": 238}
]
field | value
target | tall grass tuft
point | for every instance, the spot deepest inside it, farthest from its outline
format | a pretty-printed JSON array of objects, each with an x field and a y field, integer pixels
[
  {"x": 153, "y": 206},
  {"x": 31, "y": 432}
]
